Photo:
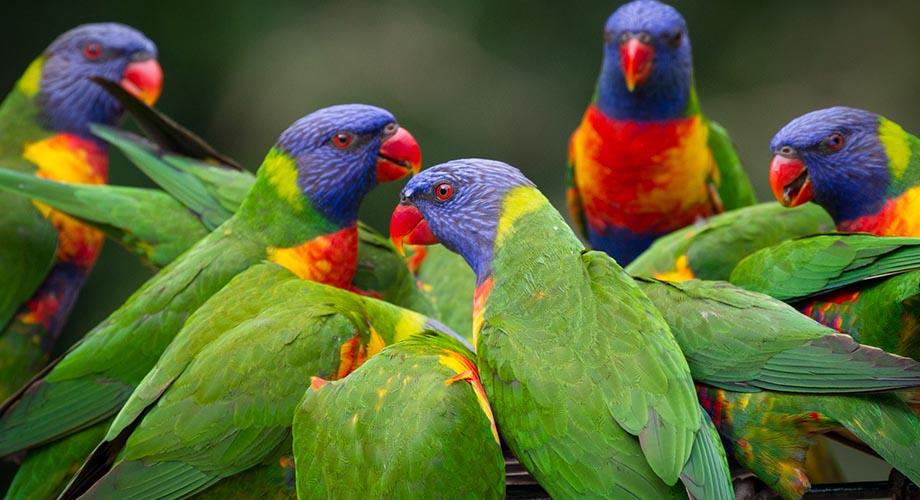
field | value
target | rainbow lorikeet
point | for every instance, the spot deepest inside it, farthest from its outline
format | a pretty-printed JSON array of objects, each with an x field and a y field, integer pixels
[
  {"x": 202, "y": 188},
  {"x": 300, "y": 213},
  {"x": 46, "y": 255},
  {"x": 861, "y": 167},
  {"x": 732, "y": 339},
  {"x": 645, "y": 161},
  {"x": 596, "y": 413},
  {"x": 233, "y": 377},
  {"x": 412, "y": 422}
]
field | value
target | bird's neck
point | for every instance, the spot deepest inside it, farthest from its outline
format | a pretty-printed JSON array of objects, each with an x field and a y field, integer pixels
[
  {"x": 655, "y": 100},
  {"x": 903, "y": 151},
  {"x": 278, "y": 211},
  {"x": 535, "y": 251}
]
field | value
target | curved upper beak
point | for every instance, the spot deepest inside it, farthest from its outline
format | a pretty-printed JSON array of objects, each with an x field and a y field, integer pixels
[
  {"x": 398, "y": 156},
  {"x": 789, "y": 181},
  {"x": 408, "y": 225},
  {"x": 636, "y": 58},
  {"x": 143, "y": 78}
]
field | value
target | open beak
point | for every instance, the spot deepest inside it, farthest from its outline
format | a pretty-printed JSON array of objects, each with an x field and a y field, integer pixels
[
  {"x": 636, "y": 58},
  {"x": 409, "y": 226},
  {"x": 398, "y": 156},
  {"x": 144, "y": 79},
  {"x": 789, "y": 181}
]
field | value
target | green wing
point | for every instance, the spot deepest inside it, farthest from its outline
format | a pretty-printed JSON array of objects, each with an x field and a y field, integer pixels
[
  {"x": 410, "y": 423},
  {"x": 712, "y": 248},
  {"x": 808, "y": 266},
  {"x": 27, "y": 254},
  {"x": 92, "y": 380},
  {"x": 147, "y": 222},
  {"x": 196, "y": 184},
  {"x": 734, "y": 187},
  {"x": 744, "y": 341},
  {"x": 233, "y": 377},
  {"x": 651, "y": 393},
  {"x": 449, "y": 283}
]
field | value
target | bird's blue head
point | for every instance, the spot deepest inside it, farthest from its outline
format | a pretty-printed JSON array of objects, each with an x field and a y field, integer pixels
[
  {"x": 647, "y": 71},
  {"x": 458, "y": 204},
  {"x": 833, "y": 157},
  {"x": 336, "y": 155},
  {"x": 59, "y": 79}
]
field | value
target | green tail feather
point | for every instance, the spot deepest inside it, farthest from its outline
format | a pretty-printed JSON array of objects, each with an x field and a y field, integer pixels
[
  {"x": 706, "y": 473},
  {"x": 51, "y": 411},
  {"x": 47, "y": 470}
]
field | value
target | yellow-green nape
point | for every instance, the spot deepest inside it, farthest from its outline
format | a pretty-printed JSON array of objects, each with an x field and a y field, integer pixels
[
  {"x": 518, "y": 202},
  {"x": 30, "y": 81},
  {"x": 897, "y": 146},
  {"x": 280, "y": 170}
]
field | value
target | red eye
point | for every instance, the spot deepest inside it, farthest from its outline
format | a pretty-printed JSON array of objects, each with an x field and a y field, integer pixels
[
  {"x": 342, "y": 140},
  {"x": 444, "y": 191},
  {"x": 92, "y": 50},
  {"x": 834, "y": 141}
]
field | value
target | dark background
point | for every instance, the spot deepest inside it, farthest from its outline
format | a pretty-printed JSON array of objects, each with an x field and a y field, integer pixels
[{"x": 479, "y": 78}]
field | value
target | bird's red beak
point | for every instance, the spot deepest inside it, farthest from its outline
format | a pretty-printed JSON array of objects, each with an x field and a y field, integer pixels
[
  {"x": 636, "y": 58},
  {"x": 789, "y": 181},
  {"x": 398, "y": 156},
  {"x": 144, "y": 80},
  {"x": 409, "y": 226}
]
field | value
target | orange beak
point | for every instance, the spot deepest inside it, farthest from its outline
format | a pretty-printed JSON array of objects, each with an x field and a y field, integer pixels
[
  {"x": 409, "y": 226},
  {"x": 789, "y": 181},
  {"x": 636, "y": 58},
  {"x": 399, "y": 155},
  {"x": 144, "y": 80}
]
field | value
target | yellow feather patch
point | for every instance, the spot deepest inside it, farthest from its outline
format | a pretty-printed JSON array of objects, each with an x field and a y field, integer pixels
[
  {"x": 681, "y": 272},
  {"x": 518, "y": 202},
  {"x": 894, "y": 139},
  {"x": 281, "y": 172},
  {"x": 30, "y": 81},
  {"x": 466, "y": 370},
  {"x": 407, "y": 325}
]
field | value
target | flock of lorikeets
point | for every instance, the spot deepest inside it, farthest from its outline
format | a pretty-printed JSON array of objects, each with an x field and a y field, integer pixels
[{"x": 285, "y": 350}]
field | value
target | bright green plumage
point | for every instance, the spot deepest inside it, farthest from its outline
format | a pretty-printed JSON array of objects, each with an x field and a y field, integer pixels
[
  {"x": 94, "y": 379},
  {"x": 742, "y": 341},
  {"x": 448, "y": 282},
  {"x": 233, "y": 377},
  {"x": 407, "y": 424},
  {"x": 710, "y": 249}
]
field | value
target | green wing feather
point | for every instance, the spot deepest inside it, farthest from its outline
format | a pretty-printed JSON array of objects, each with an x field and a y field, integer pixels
[
  {"x": 401, "y": 426},
  {"x": 176, "y": 176},
  {"x": 742, "y": 340},
  {"x": 148, "y": 222},
  {"x": 735, "y": 189},
  {"x": 809, "y": 266},
  {"x": 233, "y": 377},
  {"x": 110, "y": 360},
  {"x": 706, "y": 473},
  {"x": 712, "y": 248}
]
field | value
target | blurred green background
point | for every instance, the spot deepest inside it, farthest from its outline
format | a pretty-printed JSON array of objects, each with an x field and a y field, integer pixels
[{"x": 480, "y": 78}]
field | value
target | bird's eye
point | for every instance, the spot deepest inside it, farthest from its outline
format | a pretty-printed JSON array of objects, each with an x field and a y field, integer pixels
[
  {"x": 673, "y": 39},
  {"x": 444, "y": 191},
  {"x": 644, "y": 38},
  {"x": 834, "y": 141},
  {"x": 625, "y": 36},
  {"x": 786, "y": 150},
  {"x": 342, "y": 140},
  {"x": 390, "y": 129},
  {"x": 92, "y": 50}
]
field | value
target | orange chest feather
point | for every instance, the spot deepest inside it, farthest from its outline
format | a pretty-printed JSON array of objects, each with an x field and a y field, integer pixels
[
  {"x": 633, "y": 174},
  {"x": 330, "y": 259},
  {"x": 897, "y": 218},
  {"x": 68, "y": 158}
]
